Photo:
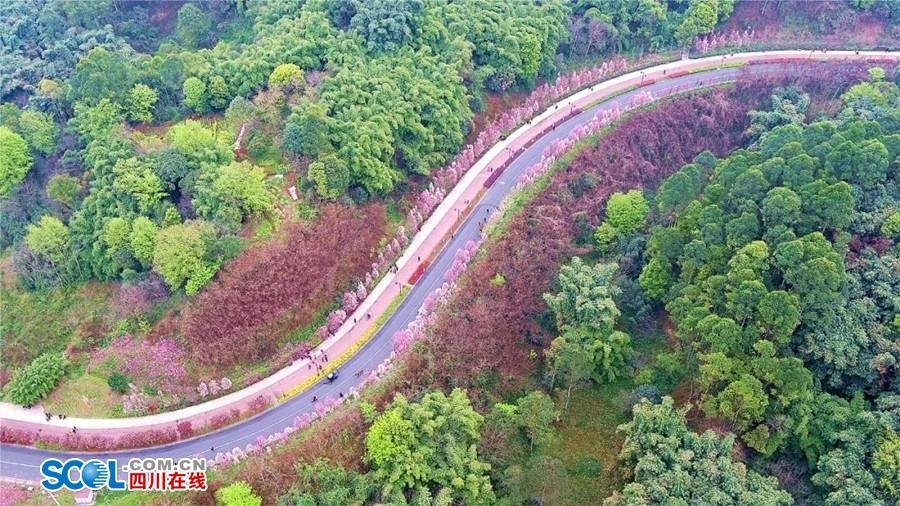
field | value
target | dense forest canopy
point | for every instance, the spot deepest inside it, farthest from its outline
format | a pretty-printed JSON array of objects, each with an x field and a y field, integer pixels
[
  {"x": 778, "y": 267},
  {"x": 154, "y": 144},
  {"x": 362, "y": 95}
]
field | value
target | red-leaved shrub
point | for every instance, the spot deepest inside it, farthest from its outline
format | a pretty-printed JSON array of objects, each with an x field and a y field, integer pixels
[{"x": 272, "y": 288}]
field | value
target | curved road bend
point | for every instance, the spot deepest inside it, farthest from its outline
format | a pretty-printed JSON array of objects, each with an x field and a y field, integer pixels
[{"x": 22, "y": 463}]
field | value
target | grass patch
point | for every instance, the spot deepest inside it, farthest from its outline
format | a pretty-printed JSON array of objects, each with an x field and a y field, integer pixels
[
  {"x": 47, "y": 321},
  {"x": 588, "y": 445},
  {"x": 87, "y": 395},
  {"x": 394, "y": 215},
  {"x": 264, "y": 230}
]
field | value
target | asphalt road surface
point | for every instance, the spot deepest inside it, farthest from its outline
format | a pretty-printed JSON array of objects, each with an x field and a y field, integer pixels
[{"x": 24, "y": 462}]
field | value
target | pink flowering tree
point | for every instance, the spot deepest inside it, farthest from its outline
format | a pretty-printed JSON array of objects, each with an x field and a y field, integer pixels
[
  {"x": 335, "y": 320},
  {"x": 350, "y": 302}
]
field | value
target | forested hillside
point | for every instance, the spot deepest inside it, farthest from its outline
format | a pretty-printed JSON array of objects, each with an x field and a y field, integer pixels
[
  {"x": 778, "y": 268},
  {"x": 189, "y": 191},
  {"x": 153, "y": 144}
]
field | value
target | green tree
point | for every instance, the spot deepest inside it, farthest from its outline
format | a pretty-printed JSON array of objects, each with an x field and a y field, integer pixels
[
  {"x": 194, "y": 26},
  {"x": 118, "y": 383},
  {"x": 141, "y": 100},
  {"x": 779, "y": 315},
  {"x": 386, "y": 24},
  {"x": 64, "y": 189},
  {"x": 788, "y": 107},
  {"x": 586, "y": 314},
  {"x": 286, "y": 74},
  {"x": 178, "y": 253},
  {"x": 218, "y": 93},
  {"x": 570, "y": 361},
  {"x": 585, "y": 296},
  {"x": 102, "y": 74},
  {"x": 49, "y": 238},
  {"x": 231, "y": 192},
  {"x": 306, "y": 132},
  {"x": 781, "y": 207},
  {"x": 330, "y": 175},
  {"x": 15, "y": 161},
  {"x": 198, "y": 144},
  {"x": 143, "y": 239},
  {"x": 171, "y": 167},
  {"x": 668, "y": 464},
  {"x": 96, "y": 122},
  {"x": 238, "y": 493},
  {"x": 137, "y": 183},
  {"x": 656, "y": 278},
  {"x": 701, "y": 17},
  {"x": 891, "y": 226},
  {"x": 37, "y": 379},
  {"x": 39, "y": 131},
  {"x": 627, "y": 212},
  {"x": 116, "y": 236},
  {"x": 679, "y": 189},
  {"x": 431, "y": 443},
  {"x": 743, "y": 402},
  {"x": 886, "y": 463},
  {"x": 536, "y": 414},
  {"x": 195, "y": 93},
  {"x": 323, "y": 484}
]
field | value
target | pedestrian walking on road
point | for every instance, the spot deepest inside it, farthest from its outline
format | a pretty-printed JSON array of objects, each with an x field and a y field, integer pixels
[
  {"x": 341, "y": 395},
  {"x": 369, "y": 316},
  {"x": 315, "y": 398},
  {"x": 74, "y": 429}
]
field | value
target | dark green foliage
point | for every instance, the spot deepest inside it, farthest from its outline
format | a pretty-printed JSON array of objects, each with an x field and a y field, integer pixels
[
  {"x": 194, "y": 26},
  {"x": 102, "y": 74},
  {"x": 320, "y": 484},
  {"x": 388, "y": 24},
  {"x": 772, "y": 270},
  {"x": 171, "y": 167},
  {"x": 118, "y": 383},
  {"x": 669, "y": 464},
  {"x": 605, "y": 26}
]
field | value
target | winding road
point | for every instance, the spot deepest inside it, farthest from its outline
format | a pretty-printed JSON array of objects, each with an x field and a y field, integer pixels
[{"x": 22, "y": 463}]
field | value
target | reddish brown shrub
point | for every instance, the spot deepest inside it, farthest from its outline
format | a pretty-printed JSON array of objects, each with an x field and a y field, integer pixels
[
  {"x": 185, "y": 430},
  {"x": 272, "y": 288},
  {"x": 16, "y": 436},
  {"x": 258, "y": 404}
]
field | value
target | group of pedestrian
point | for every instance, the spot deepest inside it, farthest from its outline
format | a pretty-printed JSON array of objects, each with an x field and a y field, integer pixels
[{"x": 49, "y": 416}]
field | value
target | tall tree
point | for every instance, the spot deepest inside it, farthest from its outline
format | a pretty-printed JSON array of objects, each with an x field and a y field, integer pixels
[
  {"x": 15, "y": 161},
  {"x": 586, "y": 314},
  {"x": 668, "y": 464},
  {"x": 429, "y": 444},
  {"x": 194, "y": 26}
]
